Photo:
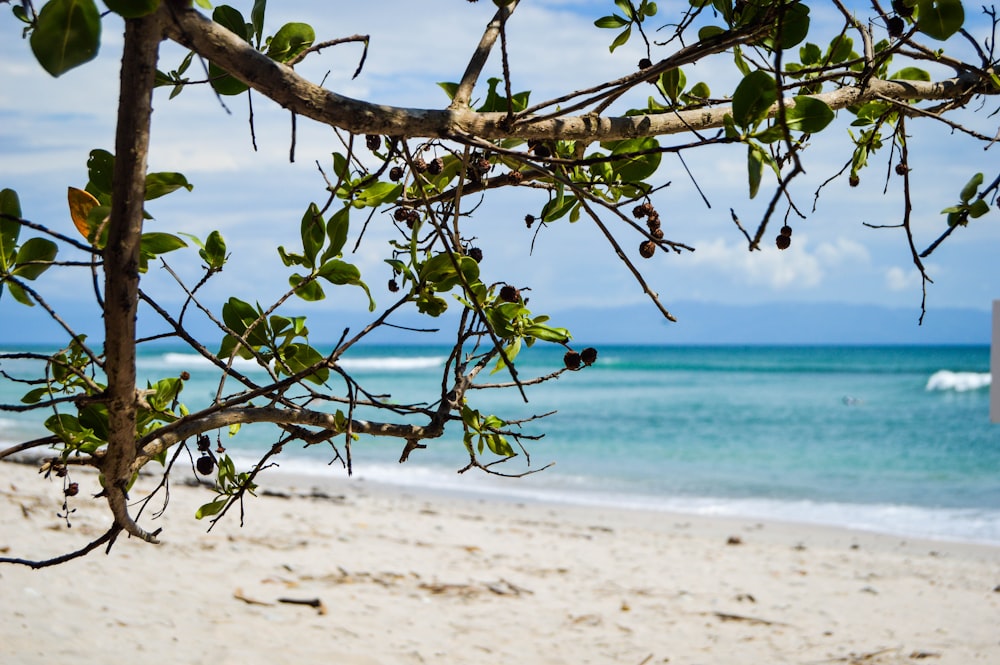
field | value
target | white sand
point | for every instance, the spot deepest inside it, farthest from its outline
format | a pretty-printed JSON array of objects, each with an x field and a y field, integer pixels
[{"x": 413, "y": 578}]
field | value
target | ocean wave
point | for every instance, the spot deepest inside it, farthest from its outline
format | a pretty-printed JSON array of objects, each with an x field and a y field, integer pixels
[
  {"x": 377, "y": 364},
  {"x": 975, "y": 525},
  {"x": 393, "y": 363},
  {"x": 957, "y": 381}
]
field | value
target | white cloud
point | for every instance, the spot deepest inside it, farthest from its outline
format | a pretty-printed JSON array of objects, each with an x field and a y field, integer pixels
[
  {"x": 902, "y": 279},
  {"x": 798, "y": 268}
]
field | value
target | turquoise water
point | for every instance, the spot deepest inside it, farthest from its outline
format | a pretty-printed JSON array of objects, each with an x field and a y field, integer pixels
[{"x": 892, "y": 439}]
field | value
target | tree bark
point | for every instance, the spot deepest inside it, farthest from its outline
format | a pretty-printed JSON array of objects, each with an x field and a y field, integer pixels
[
  {"x": 281, "y": 84},
  {"x": 121, "y": 260}
]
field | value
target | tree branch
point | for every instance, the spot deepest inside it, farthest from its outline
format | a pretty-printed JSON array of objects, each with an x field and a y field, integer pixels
[
  {"x": 281, "y": 84},
  {"x": 285, "y": 416}
]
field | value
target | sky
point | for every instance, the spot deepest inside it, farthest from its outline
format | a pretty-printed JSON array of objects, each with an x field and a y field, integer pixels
[{"x": 256, "y": 198}]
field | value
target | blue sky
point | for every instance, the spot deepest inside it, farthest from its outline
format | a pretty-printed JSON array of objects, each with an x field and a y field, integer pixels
[{"x": 48, "y": 126}]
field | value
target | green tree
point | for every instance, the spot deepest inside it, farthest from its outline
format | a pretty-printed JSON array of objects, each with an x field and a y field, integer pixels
[{"x": 593, "y": 154}]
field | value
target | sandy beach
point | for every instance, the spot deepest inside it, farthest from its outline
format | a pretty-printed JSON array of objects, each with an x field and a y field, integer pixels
[{"x": 348, "y": 572}]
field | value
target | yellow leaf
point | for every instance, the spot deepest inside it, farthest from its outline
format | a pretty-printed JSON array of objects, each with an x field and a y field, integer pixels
[{"x": 80, "y": 204}]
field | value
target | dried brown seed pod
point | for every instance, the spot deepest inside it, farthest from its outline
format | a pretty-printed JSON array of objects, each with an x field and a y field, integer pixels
[
  {"x": 395, "y": 174},
  {"x": 400, "y": 214},
  {"x": 895, "y": 26},
  {"x": 373, "y": 141},
  {"x": 185, "y": 376},
  {"x": 529, "y": 220},
  {"x": 657, "y": 233},
  {"x": 647, "y": 249},
  {"x": 393, "y": 286},
  {"x": 205, "y": 465},
  {"x": 475, "y": 254},
  {"x": 572, "y": 360},
  {"x": 509, "y": 294},
  {"x": 645, "y": 63},
  {"x": 783, "y": 241},
  {"x": 786, "y": 230},
  {"x": 589, "y": 355},
  {"x": 72, "y": 489},
  {"x": 853, "y": 180},
  {"x": 515, "y": 177},
  {"x": 435, "y": 166}
]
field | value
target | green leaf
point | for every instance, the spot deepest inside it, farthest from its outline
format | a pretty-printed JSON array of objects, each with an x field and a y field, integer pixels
[
  {"x": 911, "y": 74},
  {"x": 214, "y": 251},
  {"x": 35, "y": 396},
  {"x": 978, "y": 208},
  {"x": 710, "y": 31},
  {"x": 339, "y": 272},
  {"x": 223, "y": 83},
  {"x": 308, "y": 290},
  {"x": 810, "y": 54},
  {"x": 210, "y": 509},
  {"x": 626, "y": 7},
  {"x": 700, "y": 90},
  {"x": 971, "y": 188},
  {"x": 672, "y": 83},
  {"x": 621, "y": 39},
  {"x": 67, "y": 34},
  {"x": 636, "y": 168},
  {"x": 753, "y": 98},
  {"x": 10, "y": 229},
  {"x": 449, "y": 89},
  {"x": 291, "y": 40},
  {"x": 257, "y": 19},
  {"x": 160, "y": 243},
  {"x": 755, "y": 168},
  {"x": 232, "y": 20},
  {"x": 336, "y": 233},
  {"x": 940, "y": 19},
  {"x": 547, "y": 333},
  {"x": 840, "y": 49},
  {"x": 154, "y": 244},
  {"x": 809, "y": 115},
  {"x": 100, "y": 170},
  {"x": 378, "y": 193},
  {"x": 795, "y": 26},
  {"x": 18, "y": 293},
  {"x": 300, "y": 357},
  {"x": 133, "y": 8},
  {"x": 313, "y": 232},
  {"x": 237, "y": 315},
  {"x": 556, "y": 208},
  {"x": 161, "y": 184},
  {"x": 614, "y": 22},
  {"x": 34, "y": 257}
]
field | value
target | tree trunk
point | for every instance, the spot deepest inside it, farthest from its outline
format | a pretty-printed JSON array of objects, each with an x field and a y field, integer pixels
[{"x": 121, "y": 259}]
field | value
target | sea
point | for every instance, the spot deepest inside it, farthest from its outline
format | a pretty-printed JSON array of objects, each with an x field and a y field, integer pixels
[{"x": 890, "y": 439}]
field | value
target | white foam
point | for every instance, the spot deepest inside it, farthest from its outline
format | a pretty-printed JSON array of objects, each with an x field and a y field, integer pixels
[
  {"x": 954, "y": 524},
  {"x": 392, "y": 363},
  {"x": 388, "y": 363},
  {"x": 957, "y": 381}
]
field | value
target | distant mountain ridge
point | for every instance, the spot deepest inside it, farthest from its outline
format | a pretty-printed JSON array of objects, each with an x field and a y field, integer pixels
[{"x": 698, "y": 323}]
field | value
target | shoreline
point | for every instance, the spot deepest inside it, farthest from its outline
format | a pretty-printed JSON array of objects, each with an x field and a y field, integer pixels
[{"x": 359, "y": 572}]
